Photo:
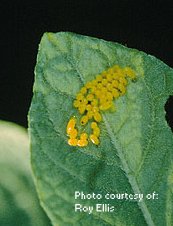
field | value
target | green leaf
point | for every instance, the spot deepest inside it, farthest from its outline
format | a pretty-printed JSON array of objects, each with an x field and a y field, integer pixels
[
  {"x": 135, "y": 154},
  {"x": 19, "y": 204}
]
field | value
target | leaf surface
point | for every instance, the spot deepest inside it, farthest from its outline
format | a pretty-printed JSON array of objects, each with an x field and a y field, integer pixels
[
  {"x": 19, "y": 204},
  {"x": 135, "y": 155}
]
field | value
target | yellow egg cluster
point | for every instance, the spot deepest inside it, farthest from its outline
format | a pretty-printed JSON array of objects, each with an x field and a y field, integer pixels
[
  {"x": 73, "y": 133},
  {"x": 97, "y": 96}
]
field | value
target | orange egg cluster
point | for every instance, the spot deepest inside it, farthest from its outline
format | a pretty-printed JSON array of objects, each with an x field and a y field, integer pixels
[{"x": 93, "y": 98}]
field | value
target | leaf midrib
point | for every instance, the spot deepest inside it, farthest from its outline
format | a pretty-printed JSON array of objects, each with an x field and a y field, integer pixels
[{"x": 129, "y": 174}]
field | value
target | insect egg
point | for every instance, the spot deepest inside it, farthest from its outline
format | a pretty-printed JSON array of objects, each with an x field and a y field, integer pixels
[
  {"x": 82, "y": 143},
  {"x": 83, "y": 136},
  {"x": 82, "y": 109},
  {"x": 83, "y": 90},
  {"x": 93, "y": 125},
  {"x": 80, "y": 96},
  {"x": 84, "y": 120},
  {"x": 71, "y": 124},
  {"x": 72, "y": 142},
  {"x": 94, "y": 139},
  {"x": 96, "y": 131},
  {"x": 90, "y": 97},
  {"x": 73, "y": 133},
  {"x": 97, "y": 117}
]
